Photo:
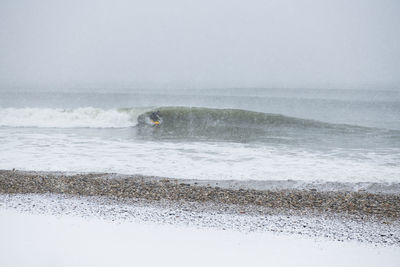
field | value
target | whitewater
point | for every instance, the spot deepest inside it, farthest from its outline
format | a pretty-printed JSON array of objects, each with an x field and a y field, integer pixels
[{"x": 342, "y": 136}]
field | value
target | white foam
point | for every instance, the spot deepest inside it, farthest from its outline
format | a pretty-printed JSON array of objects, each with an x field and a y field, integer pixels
[
  {"x": 193, "y": 160},
  {"x": 69, "y": 118}
]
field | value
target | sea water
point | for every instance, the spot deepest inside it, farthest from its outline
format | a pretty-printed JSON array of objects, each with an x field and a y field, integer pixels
[{"x": 221, "y": 134}]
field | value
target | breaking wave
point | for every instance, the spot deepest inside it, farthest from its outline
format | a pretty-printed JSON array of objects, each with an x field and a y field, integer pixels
[
  {"x": 86, "y": 117},
  {"x": 173, "y": 118},
  {"x": 198, "y": 123},
  {"x": 177, "y": 122}
]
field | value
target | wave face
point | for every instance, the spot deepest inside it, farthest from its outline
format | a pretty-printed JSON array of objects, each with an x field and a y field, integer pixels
[
  {"x": 86, "y": 117},
  {"x": 235, "y": 125}
]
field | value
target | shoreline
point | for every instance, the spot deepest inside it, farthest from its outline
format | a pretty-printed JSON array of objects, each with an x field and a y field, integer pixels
[{"x": 382, "y": 206}]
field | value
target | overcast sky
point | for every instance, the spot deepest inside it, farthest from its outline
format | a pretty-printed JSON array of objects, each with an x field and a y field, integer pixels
[{"x": 202, "y": 43}]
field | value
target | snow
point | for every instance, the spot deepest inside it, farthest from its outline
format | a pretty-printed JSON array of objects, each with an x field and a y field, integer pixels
[{"x": 67, "y": 240}]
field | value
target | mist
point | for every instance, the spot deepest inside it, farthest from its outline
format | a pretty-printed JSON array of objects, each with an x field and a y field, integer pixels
[{"x": 197, "y": 44}]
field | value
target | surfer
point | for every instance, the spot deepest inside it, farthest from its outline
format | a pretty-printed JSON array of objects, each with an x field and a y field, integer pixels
[{"x": 155, "y": 117}]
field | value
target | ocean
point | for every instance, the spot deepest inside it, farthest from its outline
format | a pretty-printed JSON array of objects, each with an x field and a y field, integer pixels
[{"x": 214, "y": 134}]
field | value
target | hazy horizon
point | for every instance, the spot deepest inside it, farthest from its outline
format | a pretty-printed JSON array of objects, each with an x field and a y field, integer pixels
[{"x": 200, "y": 44}]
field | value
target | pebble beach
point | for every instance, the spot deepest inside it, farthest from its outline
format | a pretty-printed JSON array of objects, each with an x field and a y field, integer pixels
[{"x": 335, "y": 214}]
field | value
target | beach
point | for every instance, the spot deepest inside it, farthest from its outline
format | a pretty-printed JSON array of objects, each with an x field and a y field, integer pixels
[
  {"x": 98, "y": 219},
  {"x": 365, "y": 215}
]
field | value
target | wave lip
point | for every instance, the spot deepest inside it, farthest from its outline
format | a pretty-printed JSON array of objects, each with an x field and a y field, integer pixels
[{"x": 85, "y": 117}]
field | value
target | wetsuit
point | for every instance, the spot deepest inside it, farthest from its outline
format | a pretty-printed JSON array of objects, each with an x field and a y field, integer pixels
[{"x": 155, "y": 116}]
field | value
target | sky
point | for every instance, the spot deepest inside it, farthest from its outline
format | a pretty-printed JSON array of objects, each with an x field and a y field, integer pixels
[{"x": 207, "y": 43}]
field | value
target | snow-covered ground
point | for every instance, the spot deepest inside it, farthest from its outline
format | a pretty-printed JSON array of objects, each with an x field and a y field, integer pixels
[
  {"x": 54, "y": 230},
  {"x": 48, "y": 240}
]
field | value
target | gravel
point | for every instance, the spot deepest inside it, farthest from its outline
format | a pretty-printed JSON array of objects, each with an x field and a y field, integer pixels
[
  {"x": 361, "y": 203},
  {"x": 339, "y": 215}
]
